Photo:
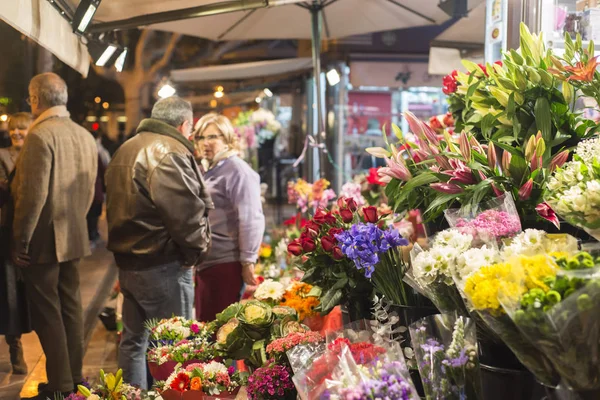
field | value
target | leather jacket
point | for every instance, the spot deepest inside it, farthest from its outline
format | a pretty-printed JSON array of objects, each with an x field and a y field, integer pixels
[{"x": 156, "y": 201}]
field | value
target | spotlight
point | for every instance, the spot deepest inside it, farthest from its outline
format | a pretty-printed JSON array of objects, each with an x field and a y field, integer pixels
[
  {"x": 333, "y": 77},
  {"x": 166, "y": 91},
  {"x": 84, "y": 14},
  {"x": 454, "y": 8},
  {"x": 120, "y": 63},
  {"x": 219, "y": 89},
  {"x": 219, "y": 94},
  {"x": 268, "y": 92},
  {"x": 105, "y": 105},
  {"x": 97, "y": 100},
  {"x": 3, "y": 117},
  {"x": 104, "y": 54},
  {"x": 213, "y": 103},
  {"x": 258, "y": 100}
]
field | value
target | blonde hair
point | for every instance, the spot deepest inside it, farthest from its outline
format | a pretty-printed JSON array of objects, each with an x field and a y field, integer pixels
[
  {"x": 21, "y": 120},
  {"x": 224, "y": 126}
]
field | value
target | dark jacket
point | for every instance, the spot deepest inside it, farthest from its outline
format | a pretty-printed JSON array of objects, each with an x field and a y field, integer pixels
[{"x": 156, "y": 203}]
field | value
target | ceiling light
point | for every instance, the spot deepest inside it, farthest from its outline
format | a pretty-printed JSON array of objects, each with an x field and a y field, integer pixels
[
  {"x": 220, "y": 89},
  {"x": 213, "y": 103},
  {"x": 333, "y": 77},
  {"x": 3, "y": 117},
  {"x": 120, "y": 63},
  {"x": 104, "y": 54},
  {"x": 268, "y": 92},
  {"x": 218, "y": 94},
  {"x": 166, "y": 91},
  {"x": 105, "y": 105},
  {"x": 84, "y": 14},
  {"x": 97, "y": 100},
  {"x": 258, "y": 100}
]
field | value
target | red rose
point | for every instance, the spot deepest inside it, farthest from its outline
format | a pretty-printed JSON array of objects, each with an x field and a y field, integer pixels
[
  {"x": 341, "y": 202},
  {"x": 308, "y": 245},
  {"x": 337, "y": 253},
  {"x": 335, "y": 231},
  {"x": 328, "y": 243},
  {"x": 347, "y": 215},
  {"x": 294, "y": 248},
  {"x": 449, "y": 84},
  {"x": 373, "y": 177},
  {"x": 304, "y": 259},
  {"x": 351, "y": 204},
  {"x": 448, "y": 119},
  {"x": 321, "y": 217},
  {"x": 370, "y": 214},
  {"x": 312, "y": 229},
  {"x": 435, "y": 123}
]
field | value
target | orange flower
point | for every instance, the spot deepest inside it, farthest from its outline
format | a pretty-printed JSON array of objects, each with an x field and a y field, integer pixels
[
  {"x": 583, "y": 72},
  {"x": 196, "y": 384}
]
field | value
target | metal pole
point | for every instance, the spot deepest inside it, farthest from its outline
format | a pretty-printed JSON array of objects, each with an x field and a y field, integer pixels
[
  {"x": 315, "y": 13},
  {"x": 341, "y": 103}
]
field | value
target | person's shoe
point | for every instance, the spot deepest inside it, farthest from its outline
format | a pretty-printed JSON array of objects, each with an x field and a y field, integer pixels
[{"x": 17, "y": 359}]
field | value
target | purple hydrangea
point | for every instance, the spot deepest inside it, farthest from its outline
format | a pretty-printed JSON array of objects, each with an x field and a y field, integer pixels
[{"x": 363, "y": 243}]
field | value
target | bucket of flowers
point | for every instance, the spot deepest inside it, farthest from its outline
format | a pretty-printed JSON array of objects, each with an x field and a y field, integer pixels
[{"x": 202, "y": 380}]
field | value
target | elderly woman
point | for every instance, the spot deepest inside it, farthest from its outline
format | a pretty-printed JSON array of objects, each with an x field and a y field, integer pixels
[
  {"x": 12, "y": 295},
  {"x": 237, "y": 222}
]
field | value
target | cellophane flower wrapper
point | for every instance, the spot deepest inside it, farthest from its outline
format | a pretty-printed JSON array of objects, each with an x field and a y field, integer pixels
[
  {"x": 480, "y": 292},
  {"x": 384, "y": 378},
  {"x": 573, "y": 190},
  {"x": 559, "y": 315},
  {"x": 446, "y": 350},
  {"x": 493, "y": 220},
  {"x": 438, "y": 286},
  {"x": 312, "y": 371}
]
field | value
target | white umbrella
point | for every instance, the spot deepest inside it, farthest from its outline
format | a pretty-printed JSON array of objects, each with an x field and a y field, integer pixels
[{"x": 255, "y": 19}]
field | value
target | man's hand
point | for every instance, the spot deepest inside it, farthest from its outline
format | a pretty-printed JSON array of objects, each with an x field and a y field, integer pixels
[
  {"x": 248, "y": 274},
  {"x": 20, "y": 259}
]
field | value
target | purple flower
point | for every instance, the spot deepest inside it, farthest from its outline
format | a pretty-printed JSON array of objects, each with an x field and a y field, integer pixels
[{"x": 363, "y": 243}]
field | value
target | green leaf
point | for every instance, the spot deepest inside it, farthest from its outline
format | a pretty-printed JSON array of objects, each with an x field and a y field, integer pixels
[
  {"x": 419, "y": 180},
  {"x": 516, "y": 57},
  {"x": 510, "y": 109},
  {"x": 442, "y": 200},
  {"x": 513, "y": 151},
  {"x": 543, "y": 120},
  {"x": 559, "y": 139},
  {"x": 309, "y": 274},
  {"x": 517, "y": 168},
  {"x": 470, "y": 65},
  {"x": 341, "y": 283},
  {"x": 591, "y": 49},
  {"x": 397, "y": 132},
  {"x": 480, "y": 191},
  {"x": 329, "y": 300},
  {"x": 487, "y": 124},
  {"x": 507, "y": 83}
]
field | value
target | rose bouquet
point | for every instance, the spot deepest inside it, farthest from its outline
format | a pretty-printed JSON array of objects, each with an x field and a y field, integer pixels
[
  {"x": 558, "y": 314},
  {"x": 310, "y": 195},
  {"x": 446, "y": 352},
  {"x": 573, "y": 191},
  {"x": 271, "y": 382}
]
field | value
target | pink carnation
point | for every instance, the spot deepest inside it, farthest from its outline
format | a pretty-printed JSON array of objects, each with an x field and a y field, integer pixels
[
  {"x": 193, "y": 366},
  {"x": 195, "y": 328},
  {"x": 491, "y": 224},
  {"x": 292, "y": 340}
]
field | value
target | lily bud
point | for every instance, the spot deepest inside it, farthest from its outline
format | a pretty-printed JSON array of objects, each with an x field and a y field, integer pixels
[
  {"x": 536, "y": 162},
  {"x": 497, "y": 191},
  {"x": 475, "y": 144},
  {"x": 538, "y": 136},
  {"x": 525, "y": 190},
  {"x": 559, "y": 160},
  {"x": 506, "y": 157},
  {"x": 491, "y": 156},
  {"x": 449, "y": 188},
  {"x": 530, "y": 148},
  {"x": 540, "y": 147},
  {"x": 443, "y": 162},
  {"x": 465, "y": 146}
]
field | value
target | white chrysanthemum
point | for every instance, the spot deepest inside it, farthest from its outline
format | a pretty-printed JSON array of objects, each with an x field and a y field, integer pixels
[
  {"x": 473, "y": 259},
  {"x": 269, "y": 290},
  {"x": 588, "y": 150},
  {"x": 453, "y": 238},
  {"x": 213, "y": 368},
  {"x": 423, "y": 266}
]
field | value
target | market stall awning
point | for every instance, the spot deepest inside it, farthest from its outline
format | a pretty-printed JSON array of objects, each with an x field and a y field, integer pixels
[
  {"x": 241, "y": 70},
  {"x": 463, "y": 39},
  {"x": 38, "y": 20},
  {"x": 230, "y": 99}
]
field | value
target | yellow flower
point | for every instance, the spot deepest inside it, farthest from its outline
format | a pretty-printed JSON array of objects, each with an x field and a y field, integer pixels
[
  {"x": 253, "y": 312},
  {"x": 265, "y": 250}
]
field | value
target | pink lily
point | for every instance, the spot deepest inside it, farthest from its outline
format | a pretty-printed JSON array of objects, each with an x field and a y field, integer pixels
[
  {"x": 497, "y": 191},
  {"x": 396, "y": 168},
  {"x": 448, "y": 188},
  {"x": 421, "y": 129},
  {"x": 465, "y": 146},
  {"x": 443, "y": 162},
  {"x": 476, "y": 145},
  {"x": 482, "y": 175},
  {"x": 491, "y": 156},
  {"x": 525, "y": 190},
  {"x": 545, "y": 211},
  {"x": 460, "y": 172},
  {"x": 419, "y": 155},
  {"x": 536, "y": 162},
  {"x": 559, "y": 160}
]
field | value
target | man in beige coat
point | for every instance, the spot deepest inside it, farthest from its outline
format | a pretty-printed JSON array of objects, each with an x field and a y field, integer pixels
[{"x": 52, "y": 190}]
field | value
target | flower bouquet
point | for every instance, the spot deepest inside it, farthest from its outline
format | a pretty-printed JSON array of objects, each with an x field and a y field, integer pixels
[
  {"x": 433, "y": 270},
  {"x": 111, "y": 387},
  {"x": 163, "y": 359},
  {"x": 271, "y": 382},
  {"x": 371, "y": 187},
  {"x": 310, "y": 195},
  {"x": 559, "y": 315},
  {"x": 277, "y": 349},
  {"x": 446, "y": 351},
  {"x": 176, "y": 329},
  {"x": 265, "y": 124},
  {"x": 493, "y": 220},
  {"x": 573, "y": 191},
  {"x": 303, "y": 298},
  {"x": 199, "y": 380}
]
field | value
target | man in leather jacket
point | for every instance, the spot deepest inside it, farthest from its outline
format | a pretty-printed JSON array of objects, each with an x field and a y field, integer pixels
[{"x": 158, "y": 230}]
